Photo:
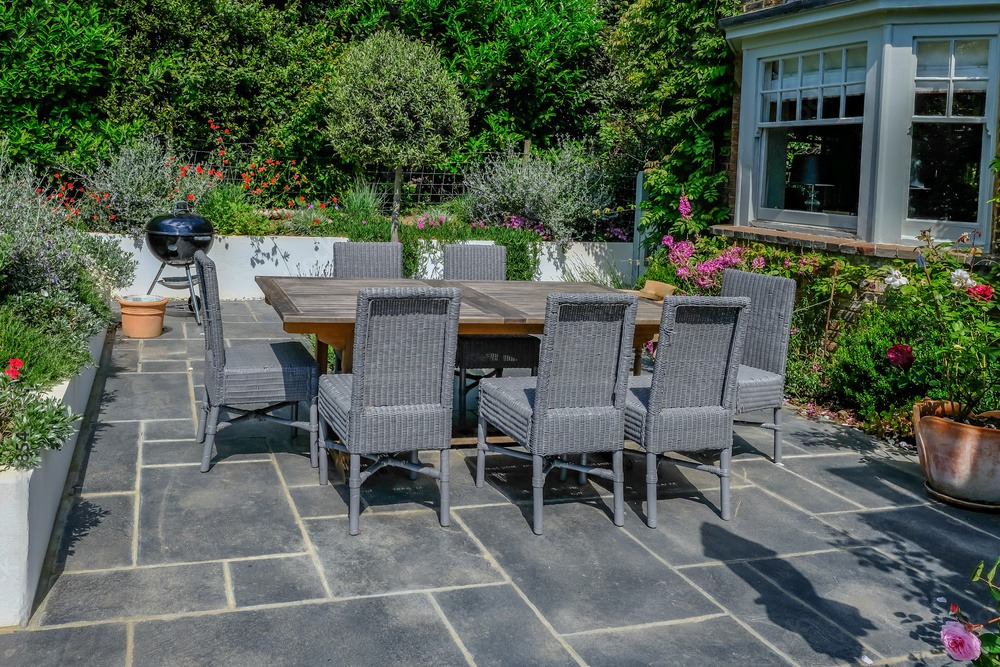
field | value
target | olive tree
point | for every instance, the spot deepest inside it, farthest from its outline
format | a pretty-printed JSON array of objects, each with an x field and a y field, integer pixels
[{"x": 393, "y": 103}]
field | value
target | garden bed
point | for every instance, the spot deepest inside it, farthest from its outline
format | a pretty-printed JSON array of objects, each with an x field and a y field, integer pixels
[{"x": 29, "y": 502}]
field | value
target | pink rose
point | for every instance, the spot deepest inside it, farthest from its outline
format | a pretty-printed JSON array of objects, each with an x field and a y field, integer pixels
[
  {"x": 900, "y": 356},
  {"x": 984, "y": 292},
  {"x": 959, "y": 643}
]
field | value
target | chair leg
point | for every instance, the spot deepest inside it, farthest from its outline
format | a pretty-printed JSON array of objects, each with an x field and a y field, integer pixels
[
  {"x": 415, "y": 460},
  {"x": 212, "y": 422},
  {"x": 481, "y": 452},
  {"x": 293, "y": 430},
  {"x": 314, "y": 432},
  {"x": 777, "y": 436},
  {"x": 462, "y": 398},
  {"x": 323, "y": 455},
  {"x": 537, "y": 482},
  {"x": 651, "y": 479},
  {"x": 354, "y": 483},
  {"x": 725, "y": 464},
  {"x": 445, "y": 480},
  {"x": 563, "y": 472},
  {"x": 203, "y": 420},
  {"x": 618, "y": 467},
  {"x": 582, "y": 478}
]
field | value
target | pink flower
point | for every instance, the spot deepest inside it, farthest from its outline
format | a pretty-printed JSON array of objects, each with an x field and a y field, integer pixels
[
  {"x": 668, "y": 241},
  {"x": 959, "y": 643},
  {"x": 900, "y": 356},
  {"x": 683, "y": 272},
  {"x": 758, "y": 263},
  {"x": 684, "y": 207}
]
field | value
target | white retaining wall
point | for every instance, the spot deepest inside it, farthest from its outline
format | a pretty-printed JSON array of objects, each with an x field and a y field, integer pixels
[
  {"x": 240, "y": 258},
  {"x": 29, "y": 502}
]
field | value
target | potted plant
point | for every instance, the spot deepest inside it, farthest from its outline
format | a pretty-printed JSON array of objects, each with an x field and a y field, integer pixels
[{"x": 959, "y": 347}]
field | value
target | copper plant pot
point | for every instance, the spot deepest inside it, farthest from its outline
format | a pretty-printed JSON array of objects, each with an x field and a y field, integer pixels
[
  {"x": 142, "y": 316},
  {"x": 961, "y": 462}
]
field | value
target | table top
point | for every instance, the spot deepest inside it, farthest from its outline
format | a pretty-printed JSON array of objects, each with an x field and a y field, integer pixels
[{"x": 334, "y": 300}]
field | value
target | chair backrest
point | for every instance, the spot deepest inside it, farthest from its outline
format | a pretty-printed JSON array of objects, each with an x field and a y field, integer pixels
[
  {"x": 211, "y": 309},
  {"x": 769, "y": 325},
  {"x": 586, "y": 352},
  {"x": 699, "y": 352},
  {"x": 473, "y": 261},
  {"x": 404, "y": 346},
  {"x": 367, "y": 260}
]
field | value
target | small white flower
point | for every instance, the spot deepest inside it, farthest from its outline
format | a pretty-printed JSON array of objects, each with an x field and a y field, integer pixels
[
  {"x": 960, "y": 278},
  {"x": 865, "y": 659},
  {"x": 896, "y": 279},
  {"x": 943, "y": 601}
]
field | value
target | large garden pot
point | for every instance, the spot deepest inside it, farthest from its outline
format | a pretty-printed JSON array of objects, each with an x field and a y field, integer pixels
[
  {"x": 961, "y": 462},
  {"x": 142, "y": 316}
]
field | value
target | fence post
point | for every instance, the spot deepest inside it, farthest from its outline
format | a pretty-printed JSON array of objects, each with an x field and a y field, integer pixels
[{"x": 638, "y": 234}]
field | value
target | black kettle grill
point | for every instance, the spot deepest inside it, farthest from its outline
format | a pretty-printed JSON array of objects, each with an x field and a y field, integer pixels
[{"x": 174, "y": 238}]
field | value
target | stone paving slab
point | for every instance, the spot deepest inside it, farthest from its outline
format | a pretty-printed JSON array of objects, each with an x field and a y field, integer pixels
[{"x": 834, "y": 557}]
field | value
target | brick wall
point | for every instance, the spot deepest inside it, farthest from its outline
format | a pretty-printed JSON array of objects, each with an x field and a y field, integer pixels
[
  {"x": 734, "y": 134},
  {"x": 754, "y": 5}
]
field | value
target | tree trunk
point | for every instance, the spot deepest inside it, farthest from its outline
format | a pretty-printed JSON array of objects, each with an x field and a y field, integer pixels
[{"x": 397, "y": 194}]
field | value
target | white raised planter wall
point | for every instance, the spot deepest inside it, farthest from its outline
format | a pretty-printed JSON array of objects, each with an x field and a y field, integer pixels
[
  {"x": 240, "y": 258},
  {"x": 29, "y": 502}
]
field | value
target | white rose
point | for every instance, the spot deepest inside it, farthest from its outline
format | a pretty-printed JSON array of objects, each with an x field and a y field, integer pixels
[
  {"x": 960, "y": 278},
  {"x": 896, "y": 279}
]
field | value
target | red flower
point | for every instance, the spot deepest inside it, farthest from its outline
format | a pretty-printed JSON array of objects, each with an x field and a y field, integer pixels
[
  {"x": 322, "y": 205},
  {"x": 984, "y": 292},
  {"x": 38, "y": 191},
  {"x": 900, "y": 356},
  {"x": 16, "y": 364},
  {"x": 226, "y": 131},
  {"x": 954, "y": 608},
  {"x": 334, "y": 200},
  {"x": 315, "y": 221},
  {"x": 12, "y": 373},
  {"x": 199, "y": 170},
  {"x": 190, "y": 197}
]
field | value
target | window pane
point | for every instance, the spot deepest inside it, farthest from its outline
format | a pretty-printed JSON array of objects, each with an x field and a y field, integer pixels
[
  {"x": 854, "y": 104},
  {"x": 790, "y": 72},
  {"x": 770, "y": 81},
  {"x": 769, "y": 108},
  {"x": 810, "y": 104},
  {"x": 857, "y": 63},
  {"x": 831, "y": 102},
  {"x": 930, "y": 99},
  {"x": 944, "y": 171},
  {"x": 815, "y": 169},
  {"x": 833, "y": 63},
  {"x": 972, "y": 58},
  {"x": 788, "y": 104},
  {"x": 932, "y": 58},
  {"x": 969, "y": 98},
  {"x": 810, "y": 69}
]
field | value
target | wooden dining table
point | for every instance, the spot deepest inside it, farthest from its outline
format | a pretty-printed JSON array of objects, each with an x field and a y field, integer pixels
[{"x": 326, "y": 308}]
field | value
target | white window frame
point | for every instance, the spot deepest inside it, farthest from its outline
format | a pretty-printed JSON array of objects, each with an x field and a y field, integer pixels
[
  {"x": 904, "y": 40},
  {"x": 752, "y": 153}
]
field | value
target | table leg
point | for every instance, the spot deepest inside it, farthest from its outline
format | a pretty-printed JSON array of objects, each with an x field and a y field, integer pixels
[
  {"x": 322, "y": 356},
  {"x": 637, "y": 361}
]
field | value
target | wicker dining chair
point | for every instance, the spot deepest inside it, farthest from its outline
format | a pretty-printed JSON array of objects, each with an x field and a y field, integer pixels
[
  {"x": 576, "y": 403},
  {"x": 687, "y": 404},
  {"x": 488, "y": 351},
  {"x": 399, "y": 397},
  {"x": 277, "y": 375},
  {"x": 761, "y": 381},
  {"x": 362, "y": 259}
]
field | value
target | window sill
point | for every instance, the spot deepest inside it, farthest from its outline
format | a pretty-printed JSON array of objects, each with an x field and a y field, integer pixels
[{"x": 810, "y": 241}]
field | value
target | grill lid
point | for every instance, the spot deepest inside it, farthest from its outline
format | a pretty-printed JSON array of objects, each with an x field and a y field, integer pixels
[{"x": 179, "y": 222}]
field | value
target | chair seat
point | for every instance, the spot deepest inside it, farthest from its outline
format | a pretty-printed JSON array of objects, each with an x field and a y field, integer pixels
[
  {"x": 508, "y": 404},
  {"x": 693, "y": 429},
  {"x": 264, "y": 373},
  {"x": 757, "y": 389},
  {"x": 497, "y": 351}
]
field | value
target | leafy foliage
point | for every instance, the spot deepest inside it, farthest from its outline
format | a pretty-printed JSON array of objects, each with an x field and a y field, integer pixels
[
  {"x": 677, "y": 72},
  {"x": 29, "y": 422}
]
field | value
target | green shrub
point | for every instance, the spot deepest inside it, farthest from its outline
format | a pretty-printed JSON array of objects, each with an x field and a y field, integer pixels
[
  {"x": 51, "y": 352},
  {"x": 29, "y": 423},
  {"x": 561, "y": 190},
  {"x": 227, "y": 207},
  {"x": 363, "y": 202}
]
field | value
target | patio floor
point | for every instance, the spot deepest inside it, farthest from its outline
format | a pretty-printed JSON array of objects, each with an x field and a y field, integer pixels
[{"x": 836, "y": 558}]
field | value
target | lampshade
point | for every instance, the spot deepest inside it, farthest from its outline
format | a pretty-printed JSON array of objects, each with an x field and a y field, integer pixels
[{"x": 807, "y": 170}]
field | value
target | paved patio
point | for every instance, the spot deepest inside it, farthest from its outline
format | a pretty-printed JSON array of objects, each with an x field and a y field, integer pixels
[{"x": 836, "y": 558}]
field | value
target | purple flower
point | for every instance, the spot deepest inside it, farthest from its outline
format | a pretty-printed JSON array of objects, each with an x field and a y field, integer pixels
[
  {"x": 684, "y": 207},
  {"x": 959, "y": 643},
  {"x": 758, "y": 263},
  {"x": 668, "y": 241},
  {"x": 683, "y": 272},
  {"x": 681, "y": 252}
]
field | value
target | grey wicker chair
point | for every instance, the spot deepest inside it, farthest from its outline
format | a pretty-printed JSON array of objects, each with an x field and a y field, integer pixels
[
  {"x": 399, "y": 397},
  {"x": 494, "y": 351},
  {"x": 275, "y": 374},
  {"x": 687, "y": 403},
  {"x": 576, "y": 404},
  {"x": 367, "y": 260},
  {"x": 761, "y": 381}
]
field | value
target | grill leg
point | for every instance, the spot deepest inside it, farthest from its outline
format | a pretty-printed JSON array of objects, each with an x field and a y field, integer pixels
[
  {"x": 194, "y": 297},
  {"x": 153, "y": 284}
]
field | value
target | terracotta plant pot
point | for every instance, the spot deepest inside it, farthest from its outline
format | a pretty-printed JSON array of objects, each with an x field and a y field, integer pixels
[
  {"x": 142, "y": 316},
  {"x": 961, "y": 463}
]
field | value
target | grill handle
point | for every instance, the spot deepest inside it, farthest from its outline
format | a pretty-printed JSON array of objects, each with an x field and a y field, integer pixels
[{"x": 201, "y": 239}]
